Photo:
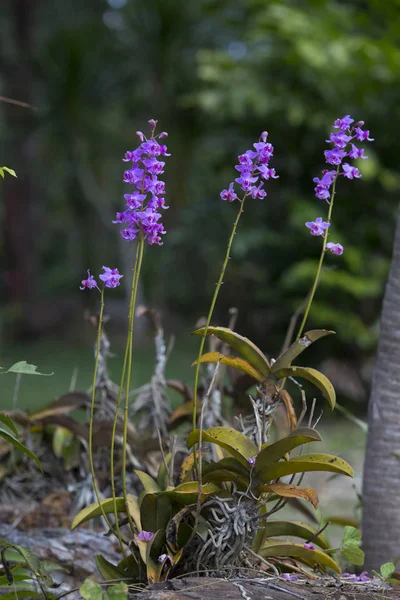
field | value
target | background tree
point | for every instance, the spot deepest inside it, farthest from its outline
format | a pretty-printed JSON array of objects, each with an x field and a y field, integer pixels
[{"x": 381, "y": 514}]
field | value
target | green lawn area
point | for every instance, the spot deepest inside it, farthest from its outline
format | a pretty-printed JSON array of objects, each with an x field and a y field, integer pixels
[{"x": 68, "y": 360}]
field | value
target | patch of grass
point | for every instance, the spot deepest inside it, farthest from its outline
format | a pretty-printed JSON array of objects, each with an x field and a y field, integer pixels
[{"x": 66, "y": 359}]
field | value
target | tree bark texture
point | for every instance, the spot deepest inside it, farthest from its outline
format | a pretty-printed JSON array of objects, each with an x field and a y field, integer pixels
[{"x": 381, "y": 487}]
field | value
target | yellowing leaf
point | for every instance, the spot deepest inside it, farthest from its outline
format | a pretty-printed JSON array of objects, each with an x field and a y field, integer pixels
[
  {"x": 243, "y": 345},
  {"x": 306, "y": 463},
  {"x": 314, "y": 377},
  {"x": 291, "y": 413},
  {"x": 273, "y": 452},
  {"x": 309, "y": 557},
  {"x": 290, "y": 491},
  {"x": 232, "y": 361},
  {"x": 238, "y": 445}
]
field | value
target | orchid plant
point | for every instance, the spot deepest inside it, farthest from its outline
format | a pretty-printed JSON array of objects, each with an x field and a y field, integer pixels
[{"x": 215, "y": 513}]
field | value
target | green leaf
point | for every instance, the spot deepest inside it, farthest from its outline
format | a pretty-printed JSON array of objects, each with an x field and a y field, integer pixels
[
  {"x": 305, "y": 464},
  {"x": 7, "y": 170},
  {"x": 163, "y": 475},
  {"x": 7, "y": 435},
  {"x": 295, "y": 529},
  {"x": 133, "y": 508},
  {"x": 232, "y": 361},
  {"x": 187, "y": 493},
  {"x": 286, "y": 359},
  {"x": 273, "y": 452},
  {"x": 237, "y": 444},
  {"x": 351, "y": 537},
  {"x": 354, "y": 555},
  {"x": 147, "y": 482},
  {"x": 108, "y": 570},
  {"x": 25, "y": 369},
  {"x": 94, "y": 510},
  {"x": 118, "y": 591},
  {"x": 222, "y": 475},
  {"x": 21, "y": 594},
  {"x": 387, "y": 570},
  {"x": 307, "y": 556},
  {"x": 243, "y": 345},
  {"x": 8, "y": 422},
  {"x": 91, "y": 590},
  {"x": 155, "y": 511},
  {"x": 314, "y": 377}
]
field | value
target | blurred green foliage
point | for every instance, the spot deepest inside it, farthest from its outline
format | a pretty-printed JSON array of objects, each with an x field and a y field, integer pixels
[{"x": 215, "y": 75}]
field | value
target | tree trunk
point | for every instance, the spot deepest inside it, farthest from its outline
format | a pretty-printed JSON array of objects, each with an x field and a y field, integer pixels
[{"x": 381, "y": 487}]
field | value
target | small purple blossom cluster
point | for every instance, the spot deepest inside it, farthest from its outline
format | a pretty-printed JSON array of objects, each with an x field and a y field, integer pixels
[
  {"x": 341, "y": 140},
  {"x": 142, "y": 206},
  {"x": 253, "y": 164},
  {"x": 110, "y": 278}
]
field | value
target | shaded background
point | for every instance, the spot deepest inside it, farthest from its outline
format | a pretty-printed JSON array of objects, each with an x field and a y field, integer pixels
[{"x": 215, "y": 74}]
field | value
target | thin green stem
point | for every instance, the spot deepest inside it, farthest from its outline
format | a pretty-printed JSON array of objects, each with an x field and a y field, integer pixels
[
  {"x": 96, "y": 365},
  {"x": 135, "y": 286},
  {"x": 210, "y": 314},
  {"x": 321, "y": 260},
  {"x": 112, "y": 458},
  {"x": 118, "y": 404}
]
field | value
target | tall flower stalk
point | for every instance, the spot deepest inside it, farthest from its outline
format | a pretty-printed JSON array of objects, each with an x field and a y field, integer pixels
[
  {"x": 343, "y": 146},
  {"x": 253, "y": 164},
  {"x": 110, "y": 278},
  {"x": 141, "y": 218}
]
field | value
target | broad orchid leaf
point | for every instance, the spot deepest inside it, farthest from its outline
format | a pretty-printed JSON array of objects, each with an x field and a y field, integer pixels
[
  {"x": 314, "y": 377},
  {"x": 307, "y": 556},
  {"x": 238, "y": 445},
  {"x": 155, "y": 511},
  {"x": 232, "y": 361},
  {"x": 187, "y": 493},
  {"x": 133, "y": 508},
  {"x": 286, "y": 490},
  {"x": 108, "y": 570},
  {"x": 286, "y": 359},
  {"x": 223, "y": 475},
  {"x": 294, "y": 529},
  {"x": 94, "y": 510},
  {"x": 163, "y": 475},
  {"x": 273, "y": 452},
  {"x": 231, "y": 464},
  {"x": 243, "y": 345},
  {"x": 305, "y": 464},
  {"x": 147, "y": 482}
]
